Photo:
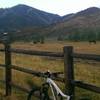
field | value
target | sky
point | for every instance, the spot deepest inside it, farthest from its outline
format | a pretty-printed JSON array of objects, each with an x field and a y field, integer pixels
[{"x": 61, "y": 7}]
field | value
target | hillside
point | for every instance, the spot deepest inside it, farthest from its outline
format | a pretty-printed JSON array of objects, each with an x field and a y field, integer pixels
[
  {"x": 25, "y": 22},
  {"x": 22, "y": 16},
  {"x": 84, "y": 22}
]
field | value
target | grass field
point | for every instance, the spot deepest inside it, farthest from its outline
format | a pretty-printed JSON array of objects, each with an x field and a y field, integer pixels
[{"x": 87, "y": 71}]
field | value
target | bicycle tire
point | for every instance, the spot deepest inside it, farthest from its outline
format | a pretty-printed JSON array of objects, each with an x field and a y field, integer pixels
[
  {"x": 31, "y": 93},
  {"x": 42, "y": 93}
]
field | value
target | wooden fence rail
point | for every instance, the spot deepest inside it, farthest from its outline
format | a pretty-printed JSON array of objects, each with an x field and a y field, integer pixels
[
  {"x": 34, "y": 73},
  {"x": 68, "y": 55},
  {"x": 54, "y": 54},
  {"x": 87, "y": 56},
  {"x": 37, "y": 53},
  {"x": 87, "y": 86}
]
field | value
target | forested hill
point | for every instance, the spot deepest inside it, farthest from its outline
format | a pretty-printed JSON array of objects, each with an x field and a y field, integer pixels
[
  {"x": 23, "y": 16},
  {"x": 82, "y": 25},
  {"x": 24, "y": 22}
]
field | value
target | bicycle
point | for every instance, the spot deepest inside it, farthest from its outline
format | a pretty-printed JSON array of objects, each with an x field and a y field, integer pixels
[{"x": 49, "y": 84}]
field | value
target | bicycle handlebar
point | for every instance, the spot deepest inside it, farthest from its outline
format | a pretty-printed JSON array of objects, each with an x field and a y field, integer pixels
[{"x": 51, "y": 74}]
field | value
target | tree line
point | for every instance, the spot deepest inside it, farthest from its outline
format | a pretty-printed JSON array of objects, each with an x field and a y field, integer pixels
[{"x": 81, "y": 35}]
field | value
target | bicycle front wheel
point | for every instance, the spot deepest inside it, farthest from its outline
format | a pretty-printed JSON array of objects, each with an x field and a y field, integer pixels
[
  {"x": 39, "y": 94},
  {"x": 34, "y": 94}
]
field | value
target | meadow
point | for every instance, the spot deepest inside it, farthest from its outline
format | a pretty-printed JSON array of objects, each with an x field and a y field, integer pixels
[{"x": 85, "y": 70}]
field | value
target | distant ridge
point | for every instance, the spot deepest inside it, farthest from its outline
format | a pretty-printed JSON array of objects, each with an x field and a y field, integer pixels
[
  {"x": 32, "y": 21},
  {"x": 21, "y": 16},
  {"x": 89, "y": 11},
  {"x": 88, "y": 19}
]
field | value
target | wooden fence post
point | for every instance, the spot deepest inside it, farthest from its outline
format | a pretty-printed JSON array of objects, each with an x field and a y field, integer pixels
[
  {"x": 69, "y": 71},
  {"x": 7, "y": 66}
]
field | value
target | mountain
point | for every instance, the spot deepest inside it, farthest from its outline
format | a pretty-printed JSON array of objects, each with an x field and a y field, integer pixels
[
  {"x": 89, "y": 11},
  {"x": 68, "y": 17},
  {"x": 81, "y": 25},
  {"x": 22, "y": 16},
  {"x": 84, "y": 22}
]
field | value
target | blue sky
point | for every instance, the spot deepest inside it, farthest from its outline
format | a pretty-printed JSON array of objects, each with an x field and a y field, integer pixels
[{"x": 61, "y": 7}]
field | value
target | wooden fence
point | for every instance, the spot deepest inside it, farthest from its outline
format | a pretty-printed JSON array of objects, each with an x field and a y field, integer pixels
[{"x": 68, "y": 55}]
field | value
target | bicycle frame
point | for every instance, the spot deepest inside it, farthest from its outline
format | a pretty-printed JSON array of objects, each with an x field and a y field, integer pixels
[
  {"x": 53, "y": 85},
  {"x": 57, "y": 94}
]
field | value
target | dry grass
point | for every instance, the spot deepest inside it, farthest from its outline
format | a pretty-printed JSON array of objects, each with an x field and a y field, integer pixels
[
  {"x": 80, "y": 47},
  {"x": 85, "y": 71}
]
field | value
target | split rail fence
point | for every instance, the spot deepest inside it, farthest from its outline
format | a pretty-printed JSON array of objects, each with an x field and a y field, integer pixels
[{"x": 68, "y": 56}]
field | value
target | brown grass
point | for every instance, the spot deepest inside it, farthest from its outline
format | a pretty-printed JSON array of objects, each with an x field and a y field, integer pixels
[
  {"x": 80, "y": 47},
  {"x": 84, "y": 70}
]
